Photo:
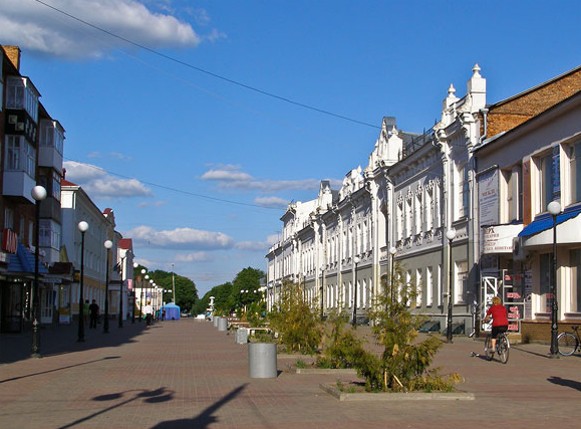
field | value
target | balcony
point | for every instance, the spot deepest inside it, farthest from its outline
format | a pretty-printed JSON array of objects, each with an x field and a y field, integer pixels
[
  {"x": 50, "y": 148},
  {"x": 18, "y": 184}
]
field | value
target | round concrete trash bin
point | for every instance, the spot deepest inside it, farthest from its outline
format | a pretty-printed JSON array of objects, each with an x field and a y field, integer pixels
[
  {"x": 262, "y": 360},
  {"x": 216, "y": 320},
  {"x": 222, "y": 324},
  {"x": 241, "y": 336}
]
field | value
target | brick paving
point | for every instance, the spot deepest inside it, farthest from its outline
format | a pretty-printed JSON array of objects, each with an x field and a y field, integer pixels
[{"x": 187, "y": 374}]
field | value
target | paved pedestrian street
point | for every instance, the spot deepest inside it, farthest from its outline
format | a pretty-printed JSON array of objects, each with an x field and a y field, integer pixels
[{"x": 187, "y": 374}]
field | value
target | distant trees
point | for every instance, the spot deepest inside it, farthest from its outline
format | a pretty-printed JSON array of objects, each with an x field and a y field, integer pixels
[
  {"x": 242, "y": 293},
  {"x": 186, "y": 291}
]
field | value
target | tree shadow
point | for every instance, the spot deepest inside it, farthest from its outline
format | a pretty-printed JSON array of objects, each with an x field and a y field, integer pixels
[
  {"x": 573, "y": 384},
  {"x": 205, "y": 418}
]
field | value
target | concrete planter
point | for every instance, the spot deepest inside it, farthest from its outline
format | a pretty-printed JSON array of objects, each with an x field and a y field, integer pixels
[
  {"x": 262, "y": 360},
  {"x": 216, "y": 320},
  {"x": 222, "y": 324},
  {"x": 241, "y": 336}
]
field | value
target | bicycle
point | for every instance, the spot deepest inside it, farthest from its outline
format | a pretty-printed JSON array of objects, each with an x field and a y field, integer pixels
[
  {"x": 569, "y": 343},
  {"x": 502, "y": 347}
]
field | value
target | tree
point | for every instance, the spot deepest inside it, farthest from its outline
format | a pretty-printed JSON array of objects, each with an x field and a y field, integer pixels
[
  {"x": 297, "y": 325},
  {"x": 404, "y": 362},
  {"x": 186, "y": 291}
]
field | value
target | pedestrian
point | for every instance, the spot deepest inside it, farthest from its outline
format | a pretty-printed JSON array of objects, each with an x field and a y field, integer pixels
[
  {"x": 93, "y": 314},
  {"x": 148, "y": 311},
  {"x": 498, "y": 314}
]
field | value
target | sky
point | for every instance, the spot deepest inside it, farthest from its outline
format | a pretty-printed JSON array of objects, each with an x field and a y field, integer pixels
[{"x": 198, "y": 122}]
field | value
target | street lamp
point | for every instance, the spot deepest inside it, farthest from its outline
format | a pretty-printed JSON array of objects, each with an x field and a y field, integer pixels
[
  {"x": 121, "y": 272},
  {"x": 108, "y": 244},
  {"x": 392, "y": 252},
  {"x": 143, "y": 271},
  {"x": 354, "y": 321},
  {"x": 450, "y": 235},
  {"x": 173, "y": 285},
  {"x": 554, "y": 208},
  {"x": 83, "y": 227},
  {"x": 39, "y": 194},
  {"x": 321, "y": 291}
]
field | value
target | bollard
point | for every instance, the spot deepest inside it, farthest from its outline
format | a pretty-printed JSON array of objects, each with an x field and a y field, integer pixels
[
  {"x": 222, "y": 324},
  {"x": 262, "y": 360},
  {"x": 241, "y": 336}
]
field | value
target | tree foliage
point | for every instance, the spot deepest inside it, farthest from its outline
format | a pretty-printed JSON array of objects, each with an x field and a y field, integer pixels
[
  {"x": 186, "y": 291},
  {"x": 404, "y": 362},
  {"x": 297, "y": 325}
]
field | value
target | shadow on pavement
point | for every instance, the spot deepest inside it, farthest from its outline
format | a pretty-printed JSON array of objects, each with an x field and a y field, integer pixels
[
  {"x": 564, "y": 382},
  {"x": 150, "y": 396},
  {"x": 205, "y": 418},
  {"x": 62, "y": 339},
  {"x": 57, "y": 369}
]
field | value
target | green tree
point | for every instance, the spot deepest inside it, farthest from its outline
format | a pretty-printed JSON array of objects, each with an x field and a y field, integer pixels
[
  {"x": 298, "y": 326},
  {"x": 186, "y": 291},
  {"x": 404, "y": 362}
]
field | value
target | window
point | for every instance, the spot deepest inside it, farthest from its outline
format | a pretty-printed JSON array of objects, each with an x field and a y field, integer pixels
[
  {"x": 429, "y": 209},
  {"x": 575, "y": 171},
  {"x": 49, "y": 234},
  {"x": 20, "y": 155},
  {"x": 9, "y": 218},
  {"x": 546, "y": 279},
  {"x": 576, "y": 281},
  {"x": 21, "y": 94},
  {"x": 550, "y": 185},
  {"x": 419, "y": 210},
  {"x": 460, "y": 278},
  {"x": 462, "y": 192},
  {"x": 514, "y": 194},
  {"x": 429, "y": 286}
]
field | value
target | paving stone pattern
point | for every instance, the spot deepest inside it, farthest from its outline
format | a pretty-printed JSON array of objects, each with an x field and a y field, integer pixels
[{"x": 187, "y": 374}]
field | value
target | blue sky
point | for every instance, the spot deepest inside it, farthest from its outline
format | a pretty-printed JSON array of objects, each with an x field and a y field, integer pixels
[{"x": 198, "y": 121}]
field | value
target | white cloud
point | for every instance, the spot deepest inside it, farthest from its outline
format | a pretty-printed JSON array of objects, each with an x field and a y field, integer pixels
[
  {"x": 192, "y": 257},
  {"x": 275, "y": 202},
  {"x": 253, "y": 246},
  {"x": 181, "y": 238},
  {"x": 37, "y": 27},
  {"x": 97, "y": 183},
  {"x": 231, "y": 177}
]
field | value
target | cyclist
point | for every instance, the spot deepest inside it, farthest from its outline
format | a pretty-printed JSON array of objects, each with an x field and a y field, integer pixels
[{"x": 496, "y": 312}]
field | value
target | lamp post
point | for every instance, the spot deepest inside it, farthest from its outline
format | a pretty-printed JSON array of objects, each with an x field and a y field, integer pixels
[
  {"x": 39, "y": 194},
  {"x": 173, "y": 285},
  {"x": 554, "y": 208},
  {"x": 322, "y": 289},
  {"x": 146, "y": 277},
  {"x": 108, "y": 244},
  {"x": 83, "y": 227},
  {"x": 392, "y": 252},
  {"x": 354, "y": 320},
  {"x": 121, "y": 272},
  {"x": 450, "y": 235}
]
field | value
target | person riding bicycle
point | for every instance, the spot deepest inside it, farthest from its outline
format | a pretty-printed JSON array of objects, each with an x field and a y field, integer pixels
[{"x": 496, "y": 312}]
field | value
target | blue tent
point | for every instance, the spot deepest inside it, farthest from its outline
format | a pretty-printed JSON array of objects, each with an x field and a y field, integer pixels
[{"x": 172, "y": 311}]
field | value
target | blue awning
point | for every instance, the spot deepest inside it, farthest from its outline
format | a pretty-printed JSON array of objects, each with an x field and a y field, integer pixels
[
  {"x": 23, "y": 262},
  {"x": 545, "y": 221}
]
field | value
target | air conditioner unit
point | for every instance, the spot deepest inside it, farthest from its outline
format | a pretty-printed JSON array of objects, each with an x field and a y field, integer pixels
[{"x": 518, "y": 250}]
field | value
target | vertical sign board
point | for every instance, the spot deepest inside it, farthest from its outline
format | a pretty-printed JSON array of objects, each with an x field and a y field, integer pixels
[
  {"x": 488, "y": 198},
  {"x": 556, "y": 174}
]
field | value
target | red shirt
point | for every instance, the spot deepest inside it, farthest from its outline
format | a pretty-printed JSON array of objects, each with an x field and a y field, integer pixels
[{"x": 499, "y": 316}]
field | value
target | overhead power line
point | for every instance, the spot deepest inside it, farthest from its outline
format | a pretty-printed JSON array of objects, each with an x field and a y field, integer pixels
[
  {"x": 209, "y": 73},
  {"x": 180, "y": 191}
]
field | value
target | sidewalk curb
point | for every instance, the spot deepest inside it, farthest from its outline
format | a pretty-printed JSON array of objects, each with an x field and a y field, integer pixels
[{"x": 416, "y": 396}]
